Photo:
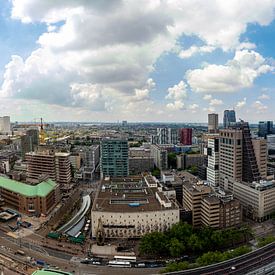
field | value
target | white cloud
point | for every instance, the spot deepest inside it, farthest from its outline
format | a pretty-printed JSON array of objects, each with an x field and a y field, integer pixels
[
  {"x": 195, "y": 50},
  {"x": 241, "y": 104},
  {"x": 238, "y": 73},
  {"x": 177, "y": 93},
  {"x": 194, "y": 108},
  {"x": 176, "y": 105},
  {"x": 207, "y": 97},
  {"x": 215, "y": 102},
  {"x": 264, "y": 96},
  {"x": 259, "y": 106},
  {"x": 99, "y": 54}
]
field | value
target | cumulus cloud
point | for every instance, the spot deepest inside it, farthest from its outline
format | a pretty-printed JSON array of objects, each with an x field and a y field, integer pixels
[
  {"x": 207, "y": 97},
  {"x": 240, "y": 104},
  {"x": 215, "y": 102},
  {"x": 259, "y": 106},
  {"x": 97, "y": 54},
  {"x": 238, "y": 73},
  {"x": 264, "y": 96},
  {"x": 195, "y": 50},
  {"x": 177, "y": 93},
  {"x": 194, "y": 108}
]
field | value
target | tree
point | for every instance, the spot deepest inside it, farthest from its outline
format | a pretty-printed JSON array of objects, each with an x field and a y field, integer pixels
[
  {"x": 176, "y": 248},
  {"x": 172, "y": 160},
  {"x": 154, "y": 243},
  {"x": 181, "y": 231},
  {"x": 194, "y": 243}
]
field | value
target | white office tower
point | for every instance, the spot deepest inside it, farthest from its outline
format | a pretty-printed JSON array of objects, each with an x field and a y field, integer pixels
[
  {"x": 162, "y": 134},
  {"x": 212, "y": 152},
  {"x": 5, "y": 125}
]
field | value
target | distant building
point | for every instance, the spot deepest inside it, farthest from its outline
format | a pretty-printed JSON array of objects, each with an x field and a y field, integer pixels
[
  {"x": 29, "y": 141},
  {"x": 265, "y": 128},
  {"x": 213, "y": 123},
  {"x": 186, "y": 136},
  {"x": 160, "y": 156},
  {"x": 185, "y": 161},
  {"x": 30, "y": 199},
  {"x": 5, "y": 126},
  {"x": 173, "y": 136},
  {"x": 140, "y": 160},
  {"x": 162, "y": 134},
  {"x": 229, "y": 118},
  {"x": 130, "y": 208},
  {"x": 114, "y": 161}
]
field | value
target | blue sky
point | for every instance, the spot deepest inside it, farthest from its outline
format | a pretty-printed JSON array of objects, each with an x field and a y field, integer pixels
[{"x": 94, "y": 61}]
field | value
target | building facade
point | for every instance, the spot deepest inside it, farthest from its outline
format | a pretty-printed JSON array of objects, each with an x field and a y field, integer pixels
[
  {"x": 265, "y": 128},
  {"x": 114, "y": 160},
  {"x": 229, "y": 118},
  {"x": 160, "y": 156},
  {"x": 30, "y": 199},
  {"x": 213, "y": 123},
  {"x": 186, "y": 136},
  {"x": 129, "y": 207},
  {"x": 260, "y": 150},
  {"x": 212, "y": 152}
]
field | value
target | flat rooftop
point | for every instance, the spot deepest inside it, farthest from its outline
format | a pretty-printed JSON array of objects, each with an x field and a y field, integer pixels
[{"x": 127, "y": 195}]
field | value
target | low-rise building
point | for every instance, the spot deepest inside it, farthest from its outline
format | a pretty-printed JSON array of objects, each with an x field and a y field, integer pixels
[
  {"x": 185, "y": 161},
  {"x": 129, "y": 207},
  {"x": 30, "y": 199},
  {"x": 257, "y": 198}
]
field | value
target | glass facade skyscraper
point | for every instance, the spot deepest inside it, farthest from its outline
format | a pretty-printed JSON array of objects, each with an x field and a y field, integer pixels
[{"x": 229, "y": 118}]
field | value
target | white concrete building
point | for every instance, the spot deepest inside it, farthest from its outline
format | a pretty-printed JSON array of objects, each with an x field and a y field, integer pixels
[
  {"x": 212, "y": 152},
  {"x": 128, "y": 207},
  {"x": 5, "y": 126}
]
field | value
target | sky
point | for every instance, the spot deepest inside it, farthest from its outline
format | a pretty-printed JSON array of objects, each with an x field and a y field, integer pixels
[{"x": 146, "y": 60}]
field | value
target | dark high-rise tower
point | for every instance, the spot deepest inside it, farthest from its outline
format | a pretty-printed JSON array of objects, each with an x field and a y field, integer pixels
[
  {"x": 229, "y": 118},
  {"x": 186, "y": 136},
  {"x": 265, "y": 128}
]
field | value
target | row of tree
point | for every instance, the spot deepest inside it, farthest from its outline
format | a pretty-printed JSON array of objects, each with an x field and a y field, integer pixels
[
  {"x": 207, "y": 259},
  {"x": 181, "y": 239}
]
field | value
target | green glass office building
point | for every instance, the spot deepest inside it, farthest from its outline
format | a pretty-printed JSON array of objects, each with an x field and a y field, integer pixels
[{"x": 114, "y": 159}]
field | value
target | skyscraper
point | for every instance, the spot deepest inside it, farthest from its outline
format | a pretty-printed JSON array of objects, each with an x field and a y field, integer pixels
[
  {"x": 213, "y": 123},
  {"x": 237, "y": 156},
  {"x": 186, "y": 136},
  {"x": 162, "y": 134},
  {"x": 265, "y": 128},
  {"x": 229, "y": 118},
  {"x": 173, "y": 135},
  {"x": 114, "y": 160},
  {"x": 213, "y": 160}
]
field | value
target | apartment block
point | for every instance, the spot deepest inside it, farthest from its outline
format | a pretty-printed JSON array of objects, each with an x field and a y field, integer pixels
[
  {"x": 160, "y": 156},
  {"x": 260, "y": 150}
]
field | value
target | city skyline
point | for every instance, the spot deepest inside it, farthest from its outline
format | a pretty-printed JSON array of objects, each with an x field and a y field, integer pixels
[{"x": 117, "y": 60}]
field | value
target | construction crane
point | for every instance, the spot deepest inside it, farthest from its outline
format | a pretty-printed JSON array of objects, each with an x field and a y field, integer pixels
[{"x": 42, "y": 133}]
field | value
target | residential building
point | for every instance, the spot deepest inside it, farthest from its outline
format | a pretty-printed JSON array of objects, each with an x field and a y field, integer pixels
[
  {"x": 160, "y": 156},
  {"x": 229, "y": 118},
  {"x": 186, "y": 136},
  {"x": 162, "y": 134},
  {"x": 213, "y": 123},
  {"x": 130, "y": 208},
  {"x": 114, "y": 161},
  {"x": 30, "y": 199},
  {"x": 173, "y": 136}
]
